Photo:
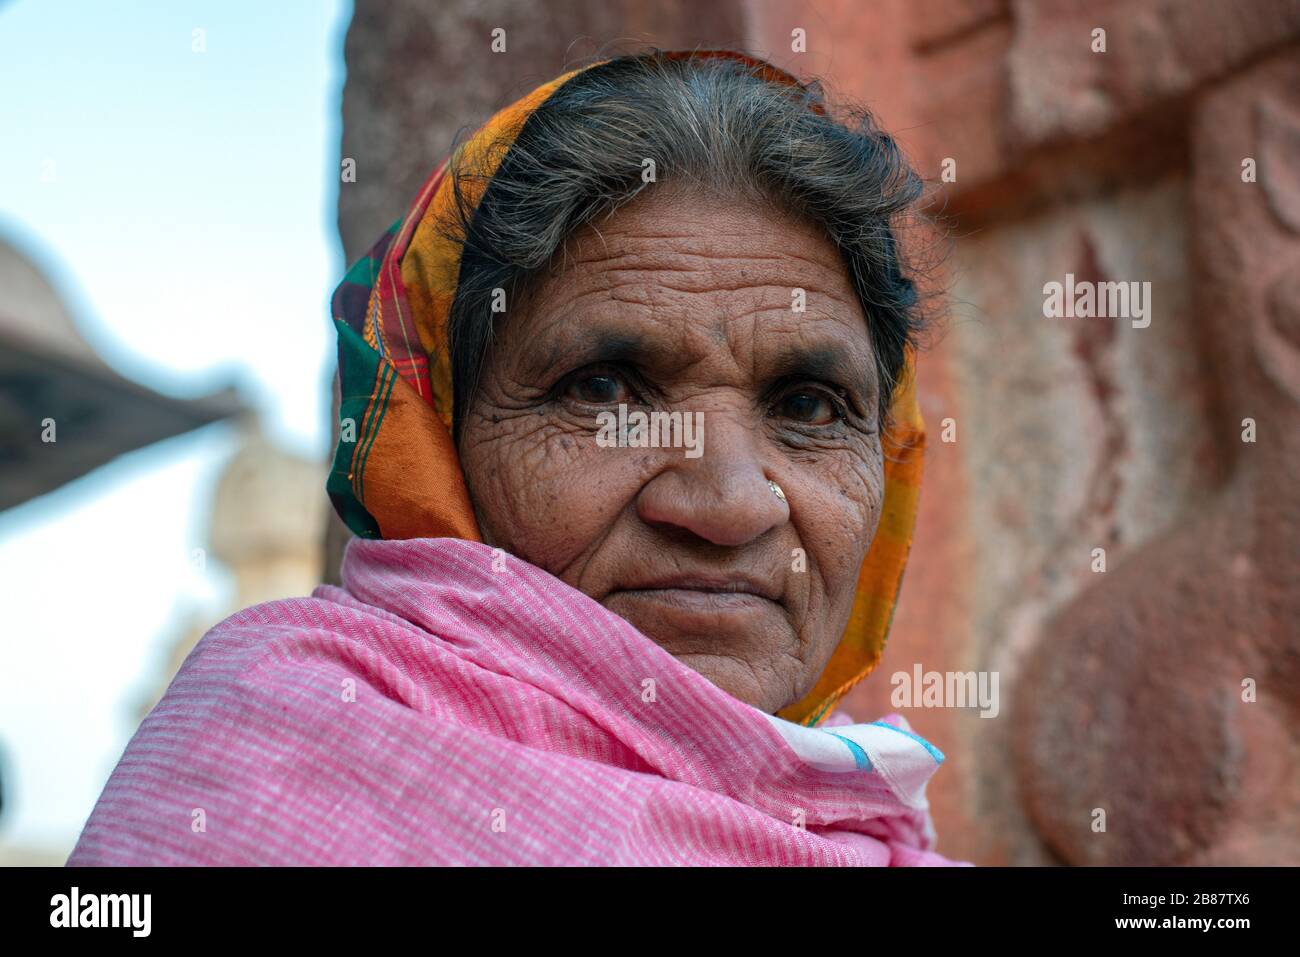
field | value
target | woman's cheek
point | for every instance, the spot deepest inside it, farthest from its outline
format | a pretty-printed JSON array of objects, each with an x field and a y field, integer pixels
[
  {"x": 842, "y": 519},
  {"x": 551, "y": 490}
]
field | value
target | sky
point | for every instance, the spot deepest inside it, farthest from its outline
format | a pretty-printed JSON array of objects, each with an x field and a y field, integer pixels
[{"x": 173, "y": 169}]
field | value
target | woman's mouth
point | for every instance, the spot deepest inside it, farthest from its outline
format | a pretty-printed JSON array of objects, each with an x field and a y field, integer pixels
[
  {"x": 694, "y": 601},
  {"x": 728, "y": 583},
  {"x": 697, "y": 599}
]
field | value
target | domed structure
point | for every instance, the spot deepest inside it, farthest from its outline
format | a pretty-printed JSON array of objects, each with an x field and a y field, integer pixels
[{"x": 63, "y": 410}]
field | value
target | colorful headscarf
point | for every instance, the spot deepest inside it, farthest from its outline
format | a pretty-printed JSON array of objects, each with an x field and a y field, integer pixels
[{"x": 396, "y": 473}]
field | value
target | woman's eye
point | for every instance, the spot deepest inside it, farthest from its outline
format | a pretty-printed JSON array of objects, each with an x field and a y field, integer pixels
[
  {"x": 808, "y": 408},
  {"x": 599, "y": 389}
]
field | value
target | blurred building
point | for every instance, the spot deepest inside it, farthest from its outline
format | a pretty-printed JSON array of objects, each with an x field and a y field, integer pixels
[
  {"x": 266, "y": 525},
  {"x": 63, "y": 410},
  {"x": 63, "y": 413},
  {"x": 1163, "y": 149},
  {"x": 267, "y": 529}
]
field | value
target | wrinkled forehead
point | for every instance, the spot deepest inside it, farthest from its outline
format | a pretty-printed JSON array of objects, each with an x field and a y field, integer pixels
[{"x": 680, "y": 278}]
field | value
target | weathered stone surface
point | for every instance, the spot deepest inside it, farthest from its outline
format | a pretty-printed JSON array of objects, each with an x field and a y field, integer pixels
[
  {"x": 1133, "y": 699},
  {"x": 1155, "y": 51},
  {"x": 932, "y": 23}
]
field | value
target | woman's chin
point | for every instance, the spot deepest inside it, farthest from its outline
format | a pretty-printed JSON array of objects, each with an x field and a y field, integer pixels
[{"x": 729, "y": 638}]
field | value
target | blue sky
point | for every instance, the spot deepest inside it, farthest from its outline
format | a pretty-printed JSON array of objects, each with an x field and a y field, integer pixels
[{"x": 183, "y": 203}]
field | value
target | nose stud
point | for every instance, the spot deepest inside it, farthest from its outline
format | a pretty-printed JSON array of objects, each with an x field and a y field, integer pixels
[{"x": 776, "y": 490}]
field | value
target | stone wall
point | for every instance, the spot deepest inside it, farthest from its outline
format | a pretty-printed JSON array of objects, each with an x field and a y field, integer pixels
[{"x": 1120, "y": 691}]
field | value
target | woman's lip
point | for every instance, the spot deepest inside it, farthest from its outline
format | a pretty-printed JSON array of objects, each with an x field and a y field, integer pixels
[
  {"x": 710, "y": 585},
  {"x": 697, "y": 599}
]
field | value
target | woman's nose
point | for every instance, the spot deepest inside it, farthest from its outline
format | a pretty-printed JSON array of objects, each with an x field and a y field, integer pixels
[{"x": 724, "y": 496}]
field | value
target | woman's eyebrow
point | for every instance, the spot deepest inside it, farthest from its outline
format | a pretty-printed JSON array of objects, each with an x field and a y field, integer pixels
[
  {"x": 587, "y": 346},
  {"x": 841, "y": 365}
]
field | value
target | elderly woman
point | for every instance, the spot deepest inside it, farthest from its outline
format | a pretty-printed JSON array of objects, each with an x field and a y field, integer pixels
[{"x": 630, "y": 442}]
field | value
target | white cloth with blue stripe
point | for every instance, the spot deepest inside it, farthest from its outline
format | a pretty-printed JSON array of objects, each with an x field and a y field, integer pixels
[{"x": 902, "y": 758}]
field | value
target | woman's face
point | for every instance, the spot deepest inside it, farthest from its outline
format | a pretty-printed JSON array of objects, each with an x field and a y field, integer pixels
[{"x": 677, "y": 304}]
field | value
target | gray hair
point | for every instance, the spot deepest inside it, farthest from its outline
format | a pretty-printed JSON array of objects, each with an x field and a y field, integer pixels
[{"x": 707, "y": 122}]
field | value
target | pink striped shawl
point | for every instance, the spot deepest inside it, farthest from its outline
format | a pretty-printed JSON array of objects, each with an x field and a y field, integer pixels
[{"x": 454, "y": 705}]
